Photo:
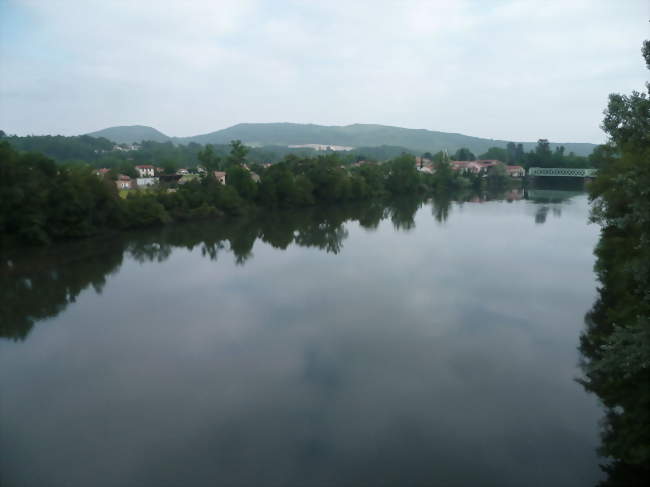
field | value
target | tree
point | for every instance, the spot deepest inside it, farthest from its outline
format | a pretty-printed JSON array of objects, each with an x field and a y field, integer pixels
[
  {"x": 240, "y": 179},
  {"x": 616, "y": 343},
  {"x": 209, "y": 159},
  {"x": 511, "y": 150},
  {"x": 403, "y": 177},
  {"x": 497, "y": 153},
  {"x": 170, "y": 166},
  {"x": 464, "y": 154},
  {"x": 520, "y": 155},
  {"x": 238, "y": 152},
  {"x": 601, "y": 155},
  {"x": 542, "y": 155}
]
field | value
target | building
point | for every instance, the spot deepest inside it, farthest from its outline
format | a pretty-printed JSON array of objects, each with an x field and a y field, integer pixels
[
  {"x": 255, "y": 177},
  {"x": 322, "y": 147},
  {"x": 220, "y": 176},
  {"x": 516, "y": 171},
  {"x": 486, "y": 164},
  {"x": 145, "y": 171},
  {"x": 102, "y": 171},
  {"x": 124, "y": 182},
  {"x": 182, "y": 171},
  {"x": 143, "y": 182},
  {"x": 465, "y": 167},
  {"x": 481, "y": 166},
  {"x": 423, "y": 161}
]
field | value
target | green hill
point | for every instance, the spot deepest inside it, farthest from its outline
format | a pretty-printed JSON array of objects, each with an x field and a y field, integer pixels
[
  {"x": 128, "y": 134},
  {"x": 357, "y": 135}
]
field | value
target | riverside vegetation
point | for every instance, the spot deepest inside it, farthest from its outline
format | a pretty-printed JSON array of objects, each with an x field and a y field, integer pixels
[
  {"x": 615, "y": 345},
  {"x": 42, "y": 201}
]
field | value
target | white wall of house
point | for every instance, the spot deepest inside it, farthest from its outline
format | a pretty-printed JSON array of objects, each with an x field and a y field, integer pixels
[{"x": 142, "y": 182}]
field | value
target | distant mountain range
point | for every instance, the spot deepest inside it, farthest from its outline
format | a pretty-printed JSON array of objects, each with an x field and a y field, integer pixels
[{"x": 357, "y": 135}]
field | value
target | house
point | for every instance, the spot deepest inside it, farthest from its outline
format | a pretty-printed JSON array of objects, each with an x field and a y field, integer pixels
[
  {"x": 143, "y": 182},
  {"x": 145, "y": 171},
  {"x": 516, "y": 171},
  {"x": 255, "y": 177},
  {"x": 481, "y": 166},
  {"x": 220, "y": 176},
  {"x": 102, "y": 171},
  {"x": 124, "y": 182},
  {"x": 464, "y": 167},
  {"x": 486, "y": 164},
  {"x": 182, "y": 171},
  {"x": 423, "y": 161}
]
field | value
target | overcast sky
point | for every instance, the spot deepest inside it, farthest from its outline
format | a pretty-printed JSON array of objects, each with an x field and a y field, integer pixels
[{"x": 515, "y": 70}]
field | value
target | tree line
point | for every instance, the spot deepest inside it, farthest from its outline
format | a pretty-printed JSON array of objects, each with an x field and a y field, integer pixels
[
  {"x": 100, "y": 152},
  {"x": 42, "y": 201},
  {"x": 514, "y": 154}
]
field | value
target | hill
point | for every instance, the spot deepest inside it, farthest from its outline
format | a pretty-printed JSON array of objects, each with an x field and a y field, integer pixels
[
  {"x": 357, "y": 135},
  {"x": 128, "y": 134}
]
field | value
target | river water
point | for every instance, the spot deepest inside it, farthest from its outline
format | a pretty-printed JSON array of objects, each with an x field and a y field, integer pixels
[{"x": 420, "y": 343}]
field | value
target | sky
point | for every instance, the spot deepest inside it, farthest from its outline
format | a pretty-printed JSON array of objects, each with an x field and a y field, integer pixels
[{"x": 515, "y": 70}]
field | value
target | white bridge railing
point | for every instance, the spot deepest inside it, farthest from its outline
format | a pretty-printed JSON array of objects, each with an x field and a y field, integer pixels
[{"x": 570, "y": 172}]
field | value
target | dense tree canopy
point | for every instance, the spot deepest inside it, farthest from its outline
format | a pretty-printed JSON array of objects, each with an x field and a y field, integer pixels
[{"x": 616, "y": 343}]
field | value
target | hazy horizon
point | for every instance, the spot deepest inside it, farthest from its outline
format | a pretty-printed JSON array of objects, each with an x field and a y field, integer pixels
[{"x": 510, "y": 70}]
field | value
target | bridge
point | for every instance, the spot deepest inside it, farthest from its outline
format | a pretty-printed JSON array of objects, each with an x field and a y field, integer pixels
[{"x": 567, "y": 172}]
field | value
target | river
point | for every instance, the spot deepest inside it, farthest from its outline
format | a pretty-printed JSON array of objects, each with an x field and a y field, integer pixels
[{"x": 420, "y": 343}]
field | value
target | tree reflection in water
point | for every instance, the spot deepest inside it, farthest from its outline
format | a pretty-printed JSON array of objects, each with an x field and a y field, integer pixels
[{"x": 37, "y": 284}]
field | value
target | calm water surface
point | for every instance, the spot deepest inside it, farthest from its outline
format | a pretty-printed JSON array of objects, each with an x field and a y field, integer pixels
[{"x": 419, "y": 344}]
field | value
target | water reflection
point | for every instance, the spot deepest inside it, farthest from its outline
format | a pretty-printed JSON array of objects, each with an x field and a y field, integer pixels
[{"x": 39, "y": 284}]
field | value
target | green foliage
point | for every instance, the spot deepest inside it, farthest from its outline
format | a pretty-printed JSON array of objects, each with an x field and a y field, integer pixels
[
  {"x": 144, "y": 209},
  {"x": 210, "y": 160},
  {"x": 64, "y": 149},
  {"x": 40, "y": 201},
  {"x": 464, "y": 154},
  {"x": 616, "y": 343},
  {"x": 43, "y": 201},
  {"x": 238, "y": 152},
  {"x": 497, "y": 153},
  {"x": 403, "y": 177},
  {"x": 240, "y": 179}
]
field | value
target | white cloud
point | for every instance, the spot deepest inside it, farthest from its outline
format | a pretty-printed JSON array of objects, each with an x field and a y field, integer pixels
[{"x": 513, "y": 70}]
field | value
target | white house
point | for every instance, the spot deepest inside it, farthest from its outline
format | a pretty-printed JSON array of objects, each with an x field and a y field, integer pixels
[
  {"x": 220, "y": 176},
  {"x": 516, "y": 171},
  {"x": 142, "y": 182},
  {"x": 145, "y": 171},
  {"x": 124, "y": 182}
]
